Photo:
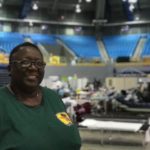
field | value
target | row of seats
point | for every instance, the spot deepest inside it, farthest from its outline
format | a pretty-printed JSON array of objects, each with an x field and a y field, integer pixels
[
  {"x": 9, "y": 40},
  {"x": 42, "y": 39},
  {"x": 121, "y": 45},
  {"x": 82, "y": 46}
]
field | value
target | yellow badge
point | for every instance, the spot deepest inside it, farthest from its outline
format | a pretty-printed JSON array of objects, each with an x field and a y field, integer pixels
[{"x": 64, "y": 118}]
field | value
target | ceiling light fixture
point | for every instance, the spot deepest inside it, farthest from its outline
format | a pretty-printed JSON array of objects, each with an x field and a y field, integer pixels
[
  {"x": 44, "y": 27},
  {"x": 132, "y": 1},
  {"x": 78, "y": 10},
  {"x": 137, "y": 18},
  {"x": 88, "y": 1},
  {"x": 77, "y": 6},
  {"x": 131, "y": 7},
  {"x": 30, "y": 23},
  {"x": 1, "y": 3},
  {"x": 35, "y": 6}
]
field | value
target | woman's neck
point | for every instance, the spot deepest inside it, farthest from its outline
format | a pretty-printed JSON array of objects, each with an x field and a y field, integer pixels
[
  {"x": 32, "y": 97},
  {"x": 24, "y": 90}
]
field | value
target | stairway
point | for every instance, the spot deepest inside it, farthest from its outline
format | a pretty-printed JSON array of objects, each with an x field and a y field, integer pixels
[
  {"x": 103, "y": 51},
  {"x": 137, "y": 54}
]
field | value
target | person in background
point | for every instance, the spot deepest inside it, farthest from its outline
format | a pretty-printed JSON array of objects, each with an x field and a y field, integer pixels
[
  {"x": 33, "y": 117},
  {"x": 146, "y": 93}
]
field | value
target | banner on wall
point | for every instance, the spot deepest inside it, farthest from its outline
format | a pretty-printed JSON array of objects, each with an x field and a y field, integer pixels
[{"x": 54, "y": 60}]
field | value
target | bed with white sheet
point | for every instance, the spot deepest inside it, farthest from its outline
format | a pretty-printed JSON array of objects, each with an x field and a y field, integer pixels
[{"x": 112, "y": 131}]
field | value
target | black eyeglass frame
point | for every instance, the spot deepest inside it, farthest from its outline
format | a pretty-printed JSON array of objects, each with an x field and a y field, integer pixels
[{"x": 27, "y": 63}]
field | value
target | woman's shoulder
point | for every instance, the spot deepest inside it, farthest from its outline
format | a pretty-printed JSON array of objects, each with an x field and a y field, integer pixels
[
  {"x": 48, "y": 91},
  {"x": 3, "y": 90},
  {"x": 53, "y": 97},
  {"x": 3, "y": 95}
]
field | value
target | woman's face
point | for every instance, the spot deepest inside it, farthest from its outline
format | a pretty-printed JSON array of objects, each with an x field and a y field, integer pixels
[{"x": 27, "y": 68}]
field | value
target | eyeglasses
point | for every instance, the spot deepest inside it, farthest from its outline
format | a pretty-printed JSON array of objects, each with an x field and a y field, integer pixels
[{"x": 27, "y": 63}]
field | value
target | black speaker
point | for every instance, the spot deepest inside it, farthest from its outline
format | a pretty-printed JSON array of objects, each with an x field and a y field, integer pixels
[{"x": 123, "y": 59}]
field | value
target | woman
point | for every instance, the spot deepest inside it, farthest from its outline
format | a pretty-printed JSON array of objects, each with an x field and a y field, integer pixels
[{"x": 33, "y": 117}]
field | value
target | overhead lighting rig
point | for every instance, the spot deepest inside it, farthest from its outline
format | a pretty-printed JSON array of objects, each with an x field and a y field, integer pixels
[
  {"x": 78, "y": 6},
  {"x": 1, "y": 3},
  {"x": 99, "y": 21},
  {"x": 35, "y": 5}
]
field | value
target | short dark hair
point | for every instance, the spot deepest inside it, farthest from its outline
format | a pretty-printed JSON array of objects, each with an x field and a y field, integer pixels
[{"x": 18, "y": 47}]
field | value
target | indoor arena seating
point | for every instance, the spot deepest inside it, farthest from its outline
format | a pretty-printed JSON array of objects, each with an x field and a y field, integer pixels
[
  {"x": 146, "y": 49},
  {"x": 9, "y": 40},
  {"x": 4, "y": 75},
  {"x": 145, "y": 55},
  {"x": 42, "y": 38},
  {"x": 46, "y": 43},
  {"x": 83, "y": 46},
  {"x": 121, "y": 45}
]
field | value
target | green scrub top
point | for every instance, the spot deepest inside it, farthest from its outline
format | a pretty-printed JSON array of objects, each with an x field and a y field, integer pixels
[{"x": 44, "y": 127}]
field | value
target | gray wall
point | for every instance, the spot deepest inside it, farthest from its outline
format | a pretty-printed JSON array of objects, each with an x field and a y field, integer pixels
[
  {"x": 132, "y": 29},
  {"x": 90, "y": 72}
]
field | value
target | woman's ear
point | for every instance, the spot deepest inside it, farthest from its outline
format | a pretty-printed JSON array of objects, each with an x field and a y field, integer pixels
[{"x": 9, "y": 70}]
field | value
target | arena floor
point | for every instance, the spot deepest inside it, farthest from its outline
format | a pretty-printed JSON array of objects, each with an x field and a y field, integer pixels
[
  {"x": 112, "y": 147},
  {"x": 91, "y": 141}
]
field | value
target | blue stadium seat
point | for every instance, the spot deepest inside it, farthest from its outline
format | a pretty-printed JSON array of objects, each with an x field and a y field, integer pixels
[
  {"x": 42, "y": 38},
  {"x": 83, "y": 46},
  {"x": 8, "y": 40},
  {"x": 121, "y": 45}
]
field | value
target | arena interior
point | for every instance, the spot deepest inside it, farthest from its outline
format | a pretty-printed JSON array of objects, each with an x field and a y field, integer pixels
[{"x": 97, "y": 55}]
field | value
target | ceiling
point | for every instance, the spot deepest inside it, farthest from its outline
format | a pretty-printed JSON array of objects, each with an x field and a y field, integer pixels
[
  {"x": 54, "y": 8},
  {"x": 99, "y": 10},
  {"x": 54, "y": 4}
]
